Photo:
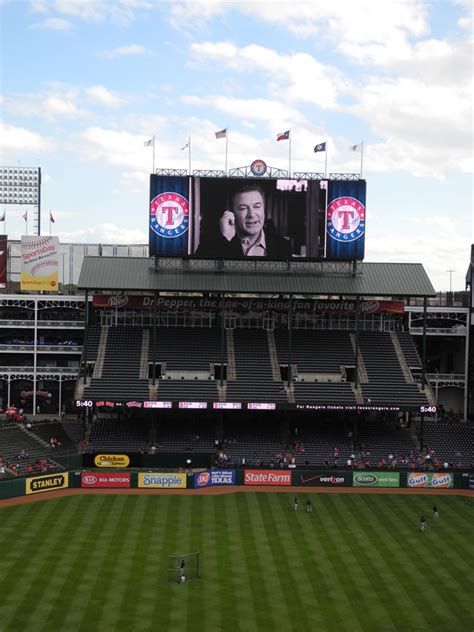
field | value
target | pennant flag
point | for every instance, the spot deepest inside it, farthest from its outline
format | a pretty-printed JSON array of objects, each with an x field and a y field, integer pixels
[
  {"x": 323, "y": 184},
  {"x": 222, "y": 133},
  {"x": 185, "y": 147},
  {"x": 356, "y": 147},
  {"x": 25, "y": 215},
  {"x": 2, "y": 218},
  {"x": 283, "y": 135},
  {"x": 320, "y": 147},
  {"x": 51, "y": 218},
  {"x": 149, "y": 143}
]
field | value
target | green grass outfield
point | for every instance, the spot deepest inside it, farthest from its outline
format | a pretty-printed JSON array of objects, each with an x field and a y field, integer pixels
[{"x": 358, "y": 563}]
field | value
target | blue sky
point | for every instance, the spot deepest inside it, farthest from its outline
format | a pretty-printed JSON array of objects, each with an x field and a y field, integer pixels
[{"x": 86, "y": 82}]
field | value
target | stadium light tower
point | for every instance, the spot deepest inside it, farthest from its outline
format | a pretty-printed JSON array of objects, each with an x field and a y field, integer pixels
[{"x": 22, "y": 186}]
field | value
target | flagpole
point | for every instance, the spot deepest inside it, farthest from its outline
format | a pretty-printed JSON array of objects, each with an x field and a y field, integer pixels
[
  {"x": 153, "y": 154},
  {"x": 289, "y": 155},
  {"x": 226, "y": 147},
  {"x": 326, "y": 161},
  {"x": 189, "y": 154},
  {"x": 361, "y": 157},
  {"x": 50, "y": 223}
]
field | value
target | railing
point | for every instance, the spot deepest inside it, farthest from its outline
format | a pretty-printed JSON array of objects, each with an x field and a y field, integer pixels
[
  {"x": 63, "y": 324},
  {"x": 53, "y": 370},
  {"x": 40, "y": 348},
  {"x": 446, "y": 377},
  {"x": 458, "y": 330}
]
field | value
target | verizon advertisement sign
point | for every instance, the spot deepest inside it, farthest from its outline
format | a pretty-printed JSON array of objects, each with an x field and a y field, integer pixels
[
  {"x": 105, "y": 479},
  {"x": 266, "y": 477},
  {"x": 312, "y": 478}
]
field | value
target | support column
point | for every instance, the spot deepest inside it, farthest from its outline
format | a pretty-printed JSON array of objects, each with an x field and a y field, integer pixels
[
  {"x": 8, "y": 389},
  {"x": 60, "y": 394},
  {"x": 83, "y": 367},
  {"x": 290, "y": 350},
  {"x": 357, "y": 377},
  {"x": 222, "y": 338},
  {"x": 153, "y": 355},
  {"x": 35, "y": 359},
  {"x": 423, "y": 359}
]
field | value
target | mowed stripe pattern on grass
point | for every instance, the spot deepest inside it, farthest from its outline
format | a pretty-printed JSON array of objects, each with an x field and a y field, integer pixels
[{"x": 358, "y": 563}]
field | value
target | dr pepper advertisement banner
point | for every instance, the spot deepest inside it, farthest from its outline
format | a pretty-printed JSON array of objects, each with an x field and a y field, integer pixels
[
  {"x": 105, "y": 479},
  {"x": 198, "y": 303},
  {"x": 345, "y": 219},
  {"x": 3, "y": 260},
  {"x": 39, "y": 263}
]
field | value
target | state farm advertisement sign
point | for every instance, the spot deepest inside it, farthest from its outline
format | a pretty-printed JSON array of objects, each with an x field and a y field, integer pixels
[
  {"x": 266, "y": 477},
  {"x": 105, "y": 479}
]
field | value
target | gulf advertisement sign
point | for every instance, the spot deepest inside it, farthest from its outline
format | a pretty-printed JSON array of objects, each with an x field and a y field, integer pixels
[
  {"x": 214, "y": 477},
  {"x": 162, "y": 480},
  {"x": 437, "y": 480},
  {"x": 105, "y": 479},
  {"x": 267, "y": 477},
  {"x": 39, "y": 263}
]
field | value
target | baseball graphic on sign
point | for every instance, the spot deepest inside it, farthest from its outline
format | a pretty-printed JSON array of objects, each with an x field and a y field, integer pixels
[{"x": 39, "y": 262}]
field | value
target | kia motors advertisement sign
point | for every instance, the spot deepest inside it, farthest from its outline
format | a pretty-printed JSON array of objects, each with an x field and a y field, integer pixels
[
  {"x": 214, "y": 477},
  {"x": 314, "y": 478},
  {"x": 376, "y": 479},
  {"x": 436, "y": 480},
  {"x": 105, "y": 479},
  {"x": 267, "y": 477}
]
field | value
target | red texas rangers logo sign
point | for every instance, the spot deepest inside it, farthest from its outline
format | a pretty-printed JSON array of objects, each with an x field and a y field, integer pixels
[
  {"x": 346, "y": 219},
  {"x": 169, "y": 215}
]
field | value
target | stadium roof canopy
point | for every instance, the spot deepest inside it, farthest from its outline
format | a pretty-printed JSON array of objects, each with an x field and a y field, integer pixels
[{"x": 125, "y": 274}]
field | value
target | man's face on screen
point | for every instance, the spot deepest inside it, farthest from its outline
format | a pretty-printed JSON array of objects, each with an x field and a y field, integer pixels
[{"x": 249, "y": 211}]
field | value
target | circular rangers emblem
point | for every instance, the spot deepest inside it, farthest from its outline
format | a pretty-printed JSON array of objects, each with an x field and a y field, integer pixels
[
  {"x": 258, "y": 167},
  {"x": 169, "y": 215},
  {"x": 346, "y": 219}
]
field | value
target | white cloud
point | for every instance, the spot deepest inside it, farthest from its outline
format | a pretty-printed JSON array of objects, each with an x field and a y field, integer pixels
[
  {"x": 100, "y": 94},
  {"x": 105, "y": 233},
  {"x": 52, "y": 24},
  {"x": 119, "y": 12},
  {"x": 120, "y": 148},
  {"x": 20, "y": 140},
  {"x": 250, "y": 109},
  {"x": 296, "y": 77},
  {"x": 122, "y": 51}
]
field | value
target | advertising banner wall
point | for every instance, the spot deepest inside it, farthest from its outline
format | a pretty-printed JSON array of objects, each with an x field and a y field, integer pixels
[
  {"x": 105, "y": 479},
  {"x": 3, "y": 260},
  {"x": 214, "y": 304},
  {"x": 46, "y": 483},
  {"x": 345, "y": 219},
  {"x": 162, "y": 480},
  {"x": 267, "y": 477},
  {"x": 320, "y": 478},
  {"x": 437, "y": 480},
  {"x": 214, "y": 477},
  {"x": 39, "y": 263},
  {"x": 169, "y": 215},
  {"x": 376, "y": 479}
]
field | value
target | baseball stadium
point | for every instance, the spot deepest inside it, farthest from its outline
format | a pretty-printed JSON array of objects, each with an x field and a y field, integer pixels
[{"x": 240, "y": 426}]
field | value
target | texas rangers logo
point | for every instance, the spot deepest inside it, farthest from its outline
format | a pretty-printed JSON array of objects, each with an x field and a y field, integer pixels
[
  {"x": 346, "y": 219},
  {"x": 169, "y": 215}
]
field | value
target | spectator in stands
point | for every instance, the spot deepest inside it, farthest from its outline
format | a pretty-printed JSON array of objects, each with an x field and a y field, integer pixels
[{"x": 243, "y": 231}]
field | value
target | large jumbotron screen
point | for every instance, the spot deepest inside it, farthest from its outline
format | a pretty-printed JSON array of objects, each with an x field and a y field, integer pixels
[{"x": 236, "y": 218}]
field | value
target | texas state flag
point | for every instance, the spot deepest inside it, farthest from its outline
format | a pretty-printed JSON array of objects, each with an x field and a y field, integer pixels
[{"x": 284, "y": 135}]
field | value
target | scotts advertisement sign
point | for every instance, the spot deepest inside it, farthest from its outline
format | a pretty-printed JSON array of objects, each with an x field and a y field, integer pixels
[
  {"x": 105, "y": 479},
  {"x": 376, "y": 479},
  {"x": 311, "y": 478},
  {"x": 201, "y": 303},
  {"x": 214, "y": 477},
  {"x": 437, "y": 480},
  {"x": 266, "y": 477}
]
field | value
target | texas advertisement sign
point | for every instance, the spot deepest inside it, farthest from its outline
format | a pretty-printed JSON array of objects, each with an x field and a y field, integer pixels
[
  {"x": 376, "y": 479},
  {"x": 214, "y": 477},
  {"x": 436, "y": 480}
]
